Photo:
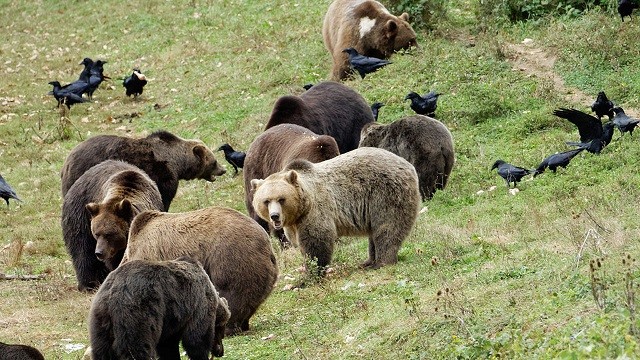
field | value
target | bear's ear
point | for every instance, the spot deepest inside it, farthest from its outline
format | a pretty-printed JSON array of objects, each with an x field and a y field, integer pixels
[
  {"x": 93, "y": 209},
  {"x": 200, "y": 151},
  {"x": 124, "y": 209},
  {"x": 292, "y": 177},
  {"x": 256, "y": 183},
  {"x": 404, "y": 17},
  {"x": 392, "y": 28}
]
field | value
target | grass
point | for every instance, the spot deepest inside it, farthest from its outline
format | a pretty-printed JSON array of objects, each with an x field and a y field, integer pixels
[{"x": 484, "y": 274}]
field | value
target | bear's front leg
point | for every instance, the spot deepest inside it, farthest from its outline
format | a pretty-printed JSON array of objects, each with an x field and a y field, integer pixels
[{"x": 317, "y": 245}]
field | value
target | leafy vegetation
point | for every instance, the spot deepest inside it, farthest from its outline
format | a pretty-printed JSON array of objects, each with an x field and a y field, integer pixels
[{"x": 485, "y": 274}]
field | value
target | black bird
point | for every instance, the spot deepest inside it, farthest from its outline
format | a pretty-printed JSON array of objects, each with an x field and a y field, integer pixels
[
  {"x": 557, "y": 160},
  {"x": 623, "y": 122},
  {"x": 135, "y": 83},
  {"x": 6, "y": 192},
  {"x": 602, "y": 106},
  {"x": 96, "y": 77},
  {"x": 593, "y": 135},
  {"x": 424, "y": 105},
  {"x": 375, "y": 108},
  {"x": 625, "y": 8},
  {"x": 235, "y": 158},
  {"x": 86, "y": 72},
  {"x": 510, "y": 173},
  {"x": 364, "y": 64},
  {"x": 307, "y": 86},
  {"x": 65, "y": 96}
]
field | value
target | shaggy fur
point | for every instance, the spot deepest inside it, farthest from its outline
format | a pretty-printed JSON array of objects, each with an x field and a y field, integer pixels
[
  {"x": 234, "y": 250},
  {"x": 104, "y": 200},
  {"x": 145, "y": 308},
  {"x": 366, "y": 192},
  {"x": 425, "y": 142},
  {"x": 19, "y": 352}
]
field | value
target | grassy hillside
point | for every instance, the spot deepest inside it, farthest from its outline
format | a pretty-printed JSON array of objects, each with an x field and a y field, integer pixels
[{"x": 485, "y": 274}]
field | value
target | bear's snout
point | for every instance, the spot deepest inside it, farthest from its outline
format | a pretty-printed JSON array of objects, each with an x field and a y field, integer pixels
[{"x": 99, "y": 254}]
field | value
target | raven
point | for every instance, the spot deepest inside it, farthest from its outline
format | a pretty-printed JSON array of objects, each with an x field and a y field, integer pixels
[
  {"x": 364, "y": 64},
  {"x": 86, "y": 72},
  {"x": 64, "y": 96},
  {"x": 557, "y": 160},
  {"x": 623, "y": 122},
  {"x": 375, "y": 108},
  {"x": 625, "y": 8},
  {"x": 510, "y": 173},
  {"x": 135, "y": 83},
  {"x": 424, "y": 105},
  {"x": 6, "y": 192},
  {"x": 96, "y": 77},
  {"x": 602, "y": 106},
  {"x": 593, "y": 135},
  {"x": 235, "y": 158},
  {"x": 307, "y": 86}
]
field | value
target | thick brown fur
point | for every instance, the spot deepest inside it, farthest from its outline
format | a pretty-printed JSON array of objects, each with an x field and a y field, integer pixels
[
  {"x": 165, "y": 157},
  {"x": 103, "y": 201},
  {"x": 327, "y": 108},
  {"x": 234, "y": 250},
  {"x": 145, "y": 308},
  {"x": 272, "y": 150},
  {"x": 19, "y": 352},
  {"x": 366, "y": 192},
  {"x": 366, "y": 26},
  {"x": 423, "y": 141}
]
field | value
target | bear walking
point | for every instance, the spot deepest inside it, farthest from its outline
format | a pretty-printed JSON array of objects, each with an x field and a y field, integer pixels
[
  {"x": 366, "y": 192},
  {"x": 235, "y": 251},
  {"x": 96, "y": 214},
  {"x": 368, "y": 27},
  {"x": 165, "y": 157},
  {"x": 327, "y": 108},
  {"x": 145, "y": 308},
  {"x": 272, "y": 150},
  {"x": 423, "y": 141}
]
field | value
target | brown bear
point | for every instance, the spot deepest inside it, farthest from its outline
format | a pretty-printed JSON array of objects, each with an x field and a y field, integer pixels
[
  {"x": 145, "y": 308},
  {"x": 96, "y": 214},
  {"x": 19, "y": 352},
  {"x": 165, "y": 157},
  {"x": 366, "y": 26},
  {"x": 366, "y": 192},
  {"x": 327, "y": 108},
  {"x": 275, "y": 148},
  {"x": 234, "y": 250},
  {"x": 423, "y": 141}
]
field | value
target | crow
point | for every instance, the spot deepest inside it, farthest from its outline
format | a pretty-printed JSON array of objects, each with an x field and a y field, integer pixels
[
  {"x": 375, "y": 108},
  {"x": 6, "y": 192},
  {"x": 65, "y": 96},
  {"x": 593, "y": 135},
  {"x": 424, "y": 105},
  {"x": 557, "y": 160},
  {"x": 625, "y": 8},
  {"x": 96, "y": 77},
  {"x": 135, "y": 83},
  {"x": 510, "y": 173},
  {"x": 235, "y": 158},
  {"x": 86, "y": 72},
  {"x": 602, "y": 106},
  {"x": 364, "y": 64},
  {"x": 623, "y": 122},
  {"x": 307, "y": 86}
]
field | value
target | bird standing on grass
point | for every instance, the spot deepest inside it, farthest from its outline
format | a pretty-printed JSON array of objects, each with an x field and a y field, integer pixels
[
  {"x": 510, "y": 173},
  {"x": 135, "y": 83},
  {"x": 364, "y": 64},
  {"x": 235, "y": 158},
  {"x": 602, "y": 106},
  {"x": 593, "y": 135},
  {"x": 424, "y": 105},
  {"x": 6, "y": 192},
  {"x": 625, "y": 8},
  {"x": 557, "y": 160},
  {"x": 375, "y": 108},
  {"x": 96, "y": 77},
  {"x": 65, "y": 96},
  {"x": 623, "y": 122}
]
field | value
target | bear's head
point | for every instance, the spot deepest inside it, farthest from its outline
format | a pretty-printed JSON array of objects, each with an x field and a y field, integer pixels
[
  {"x": 371, "y": 134},
  {"x": 278, "y": 199},
  {"x": 110, "y": 222},
  {"x": 206, "y": 166},
  {"x": 395, "y": 34}
]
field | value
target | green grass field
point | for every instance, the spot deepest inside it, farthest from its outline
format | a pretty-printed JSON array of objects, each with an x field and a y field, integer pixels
[{"x": 485, "y": 274}]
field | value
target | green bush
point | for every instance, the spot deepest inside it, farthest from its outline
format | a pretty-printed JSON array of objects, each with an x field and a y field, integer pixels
[
  {"x": 422, "y": 13},
  {"x": 522, "y": 10}
]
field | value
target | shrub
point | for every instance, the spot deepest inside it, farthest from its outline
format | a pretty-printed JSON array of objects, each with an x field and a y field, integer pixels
[
  {"x": 522, "y": 10},
  {"x": 422, "y": 13}
]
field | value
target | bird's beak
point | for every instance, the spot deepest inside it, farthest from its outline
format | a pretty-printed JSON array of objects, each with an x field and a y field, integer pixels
[{"x": 406, "y": 97}]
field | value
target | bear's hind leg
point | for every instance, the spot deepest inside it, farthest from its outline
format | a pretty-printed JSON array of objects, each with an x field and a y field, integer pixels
[
  {"x": 384, "y": 244},
  {"x": 167, "y": 350}
]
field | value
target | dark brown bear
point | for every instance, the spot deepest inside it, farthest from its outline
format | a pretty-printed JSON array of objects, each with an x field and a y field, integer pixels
[
  {"x": 328, "y": 108},
  {"x": 145, "y": 308},
  {"x": 19, "y": 352},
  {"x": 366, "y": 26},
  {"x": 423, "y": 141},
  {"x": 165, "y": 157},
  {"x": 234, "y": 250},
  {"x": 96, "y": 214},
  {"x": 272, "y": 150}
]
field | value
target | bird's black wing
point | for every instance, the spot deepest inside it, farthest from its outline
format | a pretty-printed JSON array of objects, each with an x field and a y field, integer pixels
[{"x": 589, "y": 126}]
